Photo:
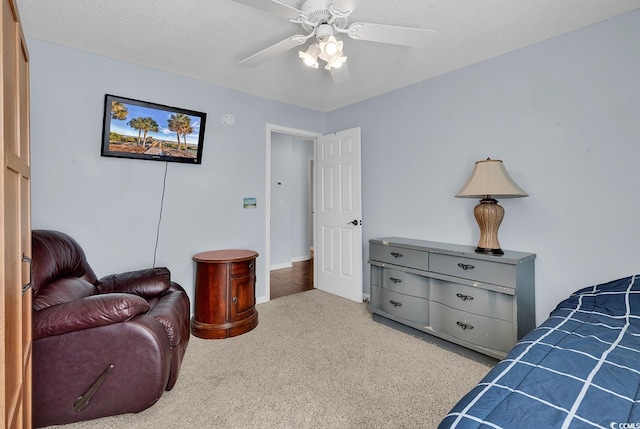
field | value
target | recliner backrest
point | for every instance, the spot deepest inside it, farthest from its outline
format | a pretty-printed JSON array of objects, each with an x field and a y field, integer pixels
[{"x": 55, "y": 256}]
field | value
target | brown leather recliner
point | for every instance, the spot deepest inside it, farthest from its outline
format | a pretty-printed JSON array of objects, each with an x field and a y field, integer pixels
[{"x": 100, "y": 346}]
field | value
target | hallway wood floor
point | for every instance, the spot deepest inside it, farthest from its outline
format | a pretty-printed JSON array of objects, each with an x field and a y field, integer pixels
[{"x": 288, "y": 281}]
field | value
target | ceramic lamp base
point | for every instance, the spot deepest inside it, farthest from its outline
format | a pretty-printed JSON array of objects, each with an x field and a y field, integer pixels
[{"x": 489, "y": 215}]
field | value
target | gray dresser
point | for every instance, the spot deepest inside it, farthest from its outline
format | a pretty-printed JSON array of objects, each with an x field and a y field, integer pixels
[{"x": 483, "y": 302}]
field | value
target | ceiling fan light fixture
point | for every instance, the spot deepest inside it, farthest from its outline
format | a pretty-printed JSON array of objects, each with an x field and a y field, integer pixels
[
  {"x": 336, "y": 63},
  {"x": 331, "y": 53},
  {"x": 310, "y": 57},
  {"x": 330, "y": 47},
  {"x": 322, "y": 19}
]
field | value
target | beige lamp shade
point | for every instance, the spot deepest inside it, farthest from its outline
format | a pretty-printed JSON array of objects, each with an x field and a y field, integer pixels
[{"x": 490, "y": 178}]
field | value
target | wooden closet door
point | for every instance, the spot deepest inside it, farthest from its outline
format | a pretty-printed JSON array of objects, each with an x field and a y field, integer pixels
[{"x": 15, "y": 224}]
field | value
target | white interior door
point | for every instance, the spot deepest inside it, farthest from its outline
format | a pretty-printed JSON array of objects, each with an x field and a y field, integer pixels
[{"x": 339, "y": 214}]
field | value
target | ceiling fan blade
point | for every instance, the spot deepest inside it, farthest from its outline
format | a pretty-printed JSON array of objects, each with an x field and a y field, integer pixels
[
  {"x": 274, "y": 7},
  {"x": 389, "y": 34},
  {"x": 273, "y": 50},
  {"x": 341, "y": 74},
  {"x": 346, "y": 6}
]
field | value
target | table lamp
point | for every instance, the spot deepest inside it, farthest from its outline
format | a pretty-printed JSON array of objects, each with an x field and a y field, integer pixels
[{"x": 490, "y": 179}]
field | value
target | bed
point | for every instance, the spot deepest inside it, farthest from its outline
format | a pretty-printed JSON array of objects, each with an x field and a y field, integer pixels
[{"x": 578, "y": 369}]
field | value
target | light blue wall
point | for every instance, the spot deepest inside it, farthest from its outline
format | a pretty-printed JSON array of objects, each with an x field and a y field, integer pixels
[
  {"x": 280, "y": 200},
  {"x": 111, "y": 206},
  {"x": 563, "y": 115},
  {"x": 289, "y": 201},
  {"x": 301, "y": 150}
]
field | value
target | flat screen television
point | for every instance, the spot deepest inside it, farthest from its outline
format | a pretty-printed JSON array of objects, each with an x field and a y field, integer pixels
[{"x": 142, "y": 130}]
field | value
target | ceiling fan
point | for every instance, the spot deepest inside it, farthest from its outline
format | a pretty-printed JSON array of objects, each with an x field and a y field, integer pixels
[{"x": 323, "y": 19}]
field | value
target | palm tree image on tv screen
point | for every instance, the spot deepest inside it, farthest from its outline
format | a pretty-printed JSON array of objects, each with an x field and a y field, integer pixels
[{"x": 144, "y": 130}]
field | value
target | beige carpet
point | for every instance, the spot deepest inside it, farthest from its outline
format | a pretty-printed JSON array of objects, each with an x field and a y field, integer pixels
[{"x": 314, "y": 361}]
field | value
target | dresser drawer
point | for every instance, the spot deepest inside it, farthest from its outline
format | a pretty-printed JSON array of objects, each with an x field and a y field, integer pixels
[
  {"x": 404, "y": 306},
  {"x": 474, "y": 269},
  {"x": 479, "y": 330},
  {"x": 243, "y": 268},
  {"x": 399, "y": 256},
  {"x": 472, "y": 299},
  {"x": 405, "y": 283}
]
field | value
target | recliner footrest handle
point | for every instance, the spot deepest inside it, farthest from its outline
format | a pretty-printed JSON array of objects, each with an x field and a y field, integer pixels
[{"x": 83, "y": 400}]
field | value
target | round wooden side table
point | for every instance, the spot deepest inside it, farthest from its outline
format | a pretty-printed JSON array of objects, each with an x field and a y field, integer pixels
[{"x": 225, "y": 295}]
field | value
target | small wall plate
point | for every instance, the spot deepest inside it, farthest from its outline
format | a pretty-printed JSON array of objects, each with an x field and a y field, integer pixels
[{"x": 228, "y": 119}]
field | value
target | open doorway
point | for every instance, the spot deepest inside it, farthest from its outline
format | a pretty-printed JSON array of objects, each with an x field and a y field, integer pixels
[
  {"x": 290, "y": 191},
  {"x": 337, "y": 213}
]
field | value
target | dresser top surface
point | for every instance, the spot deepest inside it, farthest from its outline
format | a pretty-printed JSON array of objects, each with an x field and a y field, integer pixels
[{"x": 509, "y": 257}]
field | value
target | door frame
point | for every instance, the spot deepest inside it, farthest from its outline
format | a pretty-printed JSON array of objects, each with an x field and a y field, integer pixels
[{"x": 273, "y": 128}]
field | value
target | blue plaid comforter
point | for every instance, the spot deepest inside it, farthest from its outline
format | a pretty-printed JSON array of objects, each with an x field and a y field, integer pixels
[{"x": 579, "y": 369}]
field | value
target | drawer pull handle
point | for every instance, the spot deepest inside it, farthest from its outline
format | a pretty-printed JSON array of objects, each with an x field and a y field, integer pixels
[
  {"x": 464, "y": 325},
  {"x": 395, "y": 279},
  {"x": 250, "y": 265},
  {"x": 396, "y": 254},
  {"x": 234, "y": 299},
  {"x": 464, "y": 297},
  {"x": 466, "y": 266},
  {"x": 395, "y": 303}
]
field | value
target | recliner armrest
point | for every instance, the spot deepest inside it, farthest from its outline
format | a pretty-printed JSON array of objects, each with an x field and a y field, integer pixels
[
  {"x": 146, "y": 283},
  {"x": 89, "y": 312}
]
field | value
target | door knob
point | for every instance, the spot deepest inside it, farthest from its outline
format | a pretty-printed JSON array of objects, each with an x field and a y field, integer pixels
[{"x": 354, "y": 222}]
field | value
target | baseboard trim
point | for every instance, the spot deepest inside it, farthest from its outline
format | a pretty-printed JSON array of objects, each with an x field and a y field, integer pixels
[
  {"x": 289, "y": 264},
  {"x": 281, "y": 266}
]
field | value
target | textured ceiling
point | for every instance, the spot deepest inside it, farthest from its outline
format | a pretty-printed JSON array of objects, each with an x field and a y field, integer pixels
[{"x": 205, "y": 39}]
